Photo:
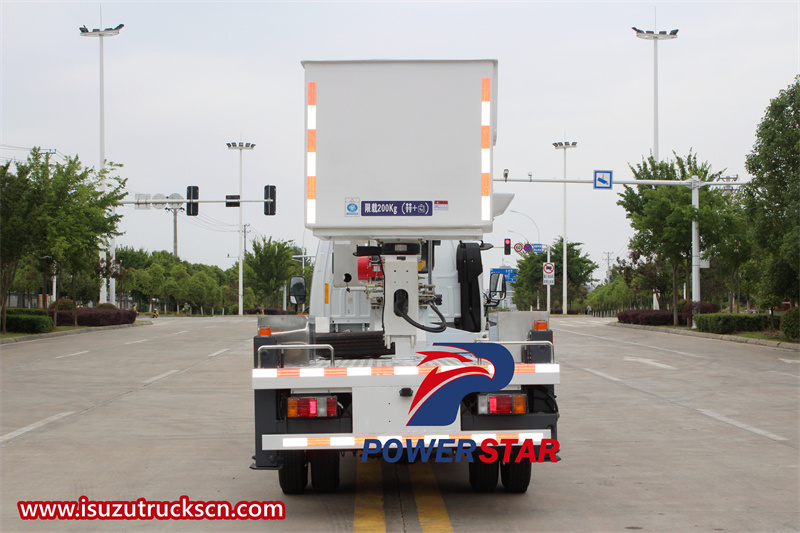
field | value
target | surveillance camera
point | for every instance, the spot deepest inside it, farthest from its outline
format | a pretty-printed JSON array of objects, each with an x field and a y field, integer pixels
[{"x": 505, "y": 173}]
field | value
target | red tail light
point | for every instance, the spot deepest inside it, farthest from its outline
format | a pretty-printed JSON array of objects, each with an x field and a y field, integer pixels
[{"x": 311, "y": 407}]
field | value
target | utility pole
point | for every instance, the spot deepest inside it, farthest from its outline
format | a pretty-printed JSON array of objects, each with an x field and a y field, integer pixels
[
  {"x": 174, "y": 228},
  {"x": 608, "y": 264},
  {"x": 246, "y": 231}
]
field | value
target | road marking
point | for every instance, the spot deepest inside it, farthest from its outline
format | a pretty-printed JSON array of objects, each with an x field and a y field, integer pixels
[
  {"x": 649, "y": 362},
  {"x": 207, "y": 327},
  {"x": 179, "y": 332},
  {"x": 219, "y": 352},
  {"x": 160, "y": 376},
  {"x": 432, "y": 513},
  {"x": 369, "y": 514},
  {"x": 740, "y": 425},
  {"x": 596, "y": 373},
  {"x": 635, "y": 344},
  {"x": 784, "y": 374},
  {"x": 789, "y": 360},
  {"x": 136, "y": 342},
  {"x": 71, "y": 354},
  {"x": 36, "y": 425}
]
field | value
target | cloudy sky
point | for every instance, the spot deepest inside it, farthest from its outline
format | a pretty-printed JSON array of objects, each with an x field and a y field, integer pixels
[{"x": 184, "y": 78}]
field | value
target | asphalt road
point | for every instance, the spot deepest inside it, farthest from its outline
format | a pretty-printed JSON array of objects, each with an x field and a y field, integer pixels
[{"x": 658, "y": 433}]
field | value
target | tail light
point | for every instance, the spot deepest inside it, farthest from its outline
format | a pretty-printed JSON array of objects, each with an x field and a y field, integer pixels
[
  {"x": 540, "y": 325},
  {"x": 311, "y": 407},
  {"x": 502, "y": 404}
]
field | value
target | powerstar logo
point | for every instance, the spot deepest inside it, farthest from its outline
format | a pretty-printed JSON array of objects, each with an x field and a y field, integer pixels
[{"x": 438, "y": 400}]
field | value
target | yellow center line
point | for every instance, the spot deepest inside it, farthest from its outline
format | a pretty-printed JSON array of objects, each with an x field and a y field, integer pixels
[
  {"x": 369, "y": 513},
  {"x": 432, "y": 513}
]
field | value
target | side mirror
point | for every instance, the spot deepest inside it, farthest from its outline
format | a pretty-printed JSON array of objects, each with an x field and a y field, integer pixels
[
  {"x": 497, "y": 286},
  {"x": 297, "y": 290}
]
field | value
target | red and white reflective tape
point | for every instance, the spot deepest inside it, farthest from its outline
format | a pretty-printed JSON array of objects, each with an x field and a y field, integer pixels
[
  {"x": 358, "y": 442},
  {"x": 311, "y": 154},
  {"x": 546, "y": 368},
  {"x": 486, "y": 150}
]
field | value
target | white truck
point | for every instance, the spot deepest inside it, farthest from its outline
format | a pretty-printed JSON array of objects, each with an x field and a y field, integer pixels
[{"x": 397, "y": 358}]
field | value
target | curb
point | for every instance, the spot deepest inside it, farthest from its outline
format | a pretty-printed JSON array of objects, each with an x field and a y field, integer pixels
[
  {"x": 39, "y": 336},
  {"x": 731, "y": 338}
]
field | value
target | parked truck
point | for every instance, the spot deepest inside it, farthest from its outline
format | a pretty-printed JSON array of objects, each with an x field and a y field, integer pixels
[{"x": 399, "y": 190}]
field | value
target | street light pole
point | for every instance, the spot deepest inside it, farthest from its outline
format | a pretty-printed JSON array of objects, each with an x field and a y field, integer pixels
[
  {"x": 108, "y": 32},
  {"x": 564, "y": 146},
  {"x": 655, "y": 37},
  {"x": 241, "y": 147}
]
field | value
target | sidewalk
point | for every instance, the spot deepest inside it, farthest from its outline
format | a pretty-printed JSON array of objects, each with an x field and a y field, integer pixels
[
  {"x": 732, "y": 338},
  {"x": 37, "y": 336}
]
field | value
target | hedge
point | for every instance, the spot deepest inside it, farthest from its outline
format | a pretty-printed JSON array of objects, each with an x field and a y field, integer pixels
[
  {"x": 702, "y": 309},
  {"x": 790, "y": 324},
  {"x": 25, "y": 311},
  {"x": 646, "y": 317},
  {"x": 28, "y": 323},
  {"x": 96, "y": 317},
  {"x": 724, "y": 323}
]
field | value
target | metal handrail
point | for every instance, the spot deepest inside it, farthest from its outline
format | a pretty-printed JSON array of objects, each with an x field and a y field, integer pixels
[{"x": 295, "y": 347}]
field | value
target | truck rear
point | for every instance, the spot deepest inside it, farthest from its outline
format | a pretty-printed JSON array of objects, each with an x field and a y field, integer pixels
[{"x": 398, "y": 358}]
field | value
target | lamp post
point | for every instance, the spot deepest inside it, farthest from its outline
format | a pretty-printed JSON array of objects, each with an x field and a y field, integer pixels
[
  {"x": 655, "y": 37},
  {"x": 564, "y": 146},
  {"x": 538, "y": 235},
  {"x": 241, "y": 147},
  {"x": 108, "y": 32}
]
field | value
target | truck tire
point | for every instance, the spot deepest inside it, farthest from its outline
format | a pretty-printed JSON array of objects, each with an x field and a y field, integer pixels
[
  {"x": 516, "y": 476},
  {"x": 483, "y": 476},
  {"x": 324, "y": 470},
  {"x": 293, "y": 474}
]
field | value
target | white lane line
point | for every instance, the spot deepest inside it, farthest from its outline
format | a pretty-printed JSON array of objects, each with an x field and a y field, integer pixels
[
  {"x": 596, "y": 373},
  {"x": 179, "y": 332},
  {"x": 789, "y": 360},
  {"x": 137, "y": 342},
  {"x": 649, "y": 362},
  {"x": 160, "y": 376},
  {"x": 784, "y": 374},
  {"x": 208, "y": 327},
  {"x": 740, "y": 425},
  {"x": 71, "y": 354},
  {"x": 635, "y": 344},
  {"x": 219, "y": 352},
  {"x": 36, "y": 425}
]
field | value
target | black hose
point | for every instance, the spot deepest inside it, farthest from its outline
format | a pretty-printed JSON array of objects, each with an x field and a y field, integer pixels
[{"x": 399, "y": 311}]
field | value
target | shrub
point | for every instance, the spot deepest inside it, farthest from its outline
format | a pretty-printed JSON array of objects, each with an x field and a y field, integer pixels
[
  {"x": 105, "y": 306},
  {"x": 790, "y": 324},
  {"x": 569, "y": 311},
  {"x": 25, "y": 323},
  {"x": 62, "y": 304},
  {"x": 25, "y": 311},
  {"x": 702, "y": 308},
  {"x": 96, "y": 317},
  {"x": 646, "y": 317},
  {"x": 724, "y": 323},
  {"x": 681, "y": 304}
]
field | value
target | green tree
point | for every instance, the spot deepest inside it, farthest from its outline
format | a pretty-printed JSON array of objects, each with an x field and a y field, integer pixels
[
  {"x": 65, "y": 209},
  {"x": 661, "y": 216},
  {"x": 268, "y": 268},
  {"x": 529, "y": 276},
  {"x": 772, "y": 198}
]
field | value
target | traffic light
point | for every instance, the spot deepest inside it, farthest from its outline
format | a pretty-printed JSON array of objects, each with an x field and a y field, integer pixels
[
  {"x": 507, "y": 247},
  {"x": 269, "y": 200},
  {"x": 192, "y": 193}
]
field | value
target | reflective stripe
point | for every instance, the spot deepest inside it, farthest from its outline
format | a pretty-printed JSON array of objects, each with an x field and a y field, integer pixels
[
  {"x": 357, "y": 371},
  {"x": 312, "y": 118},
  {"x": 311, "y": 154},
  {"x": 486, "y": 149}
]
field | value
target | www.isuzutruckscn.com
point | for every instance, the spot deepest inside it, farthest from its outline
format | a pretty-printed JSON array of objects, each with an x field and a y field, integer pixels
[{"x": 181, "y": 509}]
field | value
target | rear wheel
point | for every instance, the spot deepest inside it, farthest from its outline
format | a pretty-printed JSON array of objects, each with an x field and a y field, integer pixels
[
  {"x": 516, "y": 476},
  {"x": 293, "y": 474},
  {"x": 324, "y": 470},
  {"x": 483, "y": 476}
]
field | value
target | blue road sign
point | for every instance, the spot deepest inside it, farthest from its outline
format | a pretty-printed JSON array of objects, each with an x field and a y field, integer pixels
[
  {"x": 537, "y": 248},
  {"x": 509, "y": 273},
  {"x": 603, "y": 179},
  {"x": 528, "y": 248}
]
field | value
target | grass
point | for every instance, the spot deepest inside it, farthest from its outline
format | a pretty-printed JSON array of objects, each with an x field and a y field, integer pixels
[{"x": 765, "y": 335}]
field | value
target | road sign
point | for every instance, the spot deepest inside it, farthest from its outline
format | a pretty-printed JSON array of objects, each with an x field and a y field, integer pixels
[
  {"x": 528, "y": 248},
  {"x": 548, "y": 279},
  {"x": 603, "y": 179},
  {"x": 518, "y": 247},
  {"x": 537, "y": 248},
  {"x": 509, "y": 273},
  {"x": 548, "y": 268}
]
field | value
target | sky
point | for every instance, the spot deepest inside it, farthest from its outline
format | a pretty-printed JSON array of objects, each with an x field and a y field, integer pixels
[{"x": 184, "y": 78}]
